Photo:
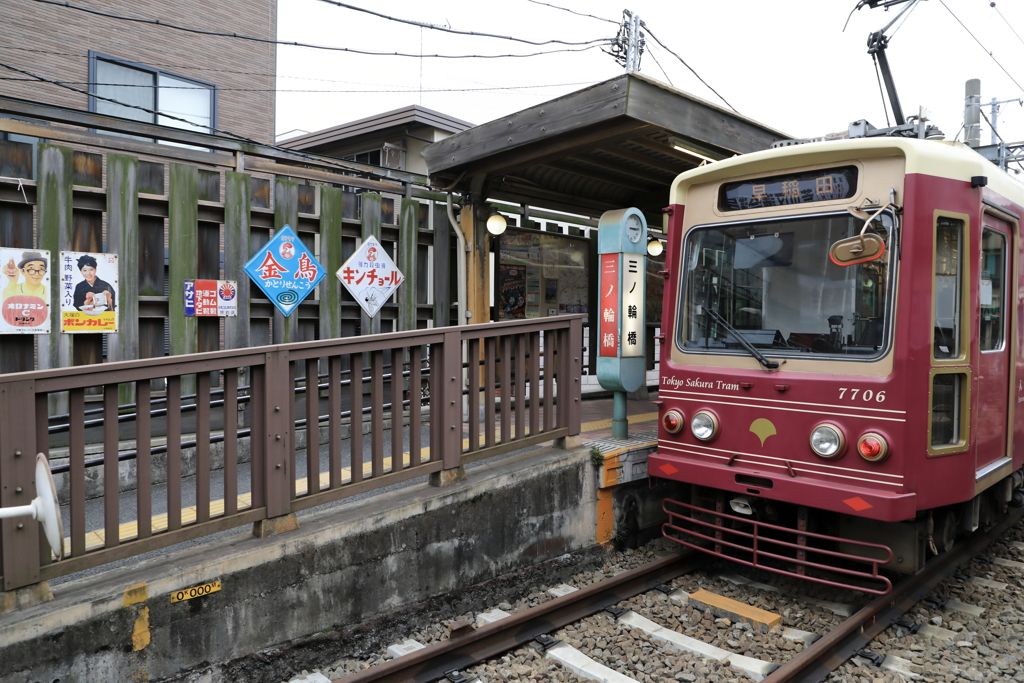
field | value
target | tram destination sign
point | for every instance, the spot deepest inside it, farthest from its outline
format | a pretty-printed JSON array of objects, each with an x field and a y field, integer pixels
[
  {"x": 285, "y": 271},
  {"x": 370, "y": 276},
  {"x": 795, "y": 188}
]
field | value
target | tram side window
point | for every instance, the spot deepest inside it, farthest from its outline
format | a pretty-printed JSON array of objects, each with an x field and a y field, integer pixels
[
  {"x": 948, "y": 286},
  {"x": 991, "y": 291}
]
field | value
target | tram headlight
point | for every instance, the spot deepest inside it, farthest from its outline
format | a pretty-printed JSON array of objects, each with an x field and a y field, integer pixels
[
  {"x": 827, "y": 440},
  {"x": 873, "y": 447},
  {"x": 673, "y": 421},
  {"x": 704, "y": 425}
]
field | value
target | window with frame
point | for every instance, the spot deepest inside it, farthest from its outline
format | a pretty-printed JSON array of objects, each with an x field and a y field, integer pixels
[
  {"x": 948, "y": 284},
  {"x": 991, "y": 290},
  {"x": 169, "y": 95}
]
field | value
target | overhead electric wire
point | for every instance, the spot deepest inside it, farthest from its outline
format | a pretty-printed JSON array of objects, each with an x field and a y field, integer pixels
[
  {"x": 982, "y": 46},
  {"x": 223, "y": 89},
  {"x": 323, "y": 160},
  {"x": 1007, "y": 23},
  {"x": 683, "y": 61},
  {"x": 239, "y": 36},
  {"x": 570, "y": 11},
  {"x": 446, "y": 29},
  {"x": 650, "y": 53}
]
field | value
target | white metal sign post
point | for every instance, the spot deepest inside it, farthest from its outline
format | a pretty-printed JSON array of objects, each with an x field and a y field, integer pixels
[{"x": 370, "y": 276}]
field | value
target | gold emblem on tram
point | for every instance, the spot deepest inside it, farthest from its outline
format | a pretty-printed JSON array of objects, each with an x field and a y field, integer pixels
[{"x": 763, "y": 428}]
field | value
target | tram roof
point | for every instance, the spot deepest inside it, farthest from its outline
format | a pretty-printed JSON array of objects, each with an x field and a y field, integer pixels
[{"x": 616, "y": 144}]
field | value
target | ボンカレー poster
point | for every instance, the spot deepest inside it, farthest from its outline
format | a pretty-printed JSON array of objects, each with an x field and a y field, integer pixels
[
  {"x": 88, "y": 292},
  {"x": 25, "y": 297}
]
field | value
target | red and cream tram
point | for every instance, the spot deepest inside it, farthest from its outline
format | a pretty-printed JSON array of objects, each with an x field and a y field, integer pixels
[{"x": 841, "y": 362}]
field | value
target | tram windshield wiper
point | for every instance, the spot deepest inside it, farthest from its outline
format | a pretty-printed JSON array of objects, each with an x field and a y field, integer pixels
[{"x": 761, "y": 358}]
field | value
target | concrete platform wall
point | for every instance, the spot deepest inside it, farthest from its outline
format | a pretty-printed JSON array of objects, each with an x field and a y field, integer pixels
[{"x": 352, "y": 564}]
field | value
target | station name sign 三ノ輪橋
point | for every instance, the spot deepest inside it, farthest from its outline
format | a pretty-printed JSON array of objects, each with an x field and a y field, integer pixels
[
  {"x": 284, "y": 270},
  {"x": 370, "y": 276},
  {"x": 622, "y": 279}
]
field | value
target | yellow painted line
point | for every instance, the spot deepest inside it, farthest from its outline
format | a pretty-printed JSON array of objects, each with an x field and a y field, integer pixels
[
  {"x": 721, "y": 606},
  {"x": 605, "y": 424},
  {"x": 129, "y": 530}
]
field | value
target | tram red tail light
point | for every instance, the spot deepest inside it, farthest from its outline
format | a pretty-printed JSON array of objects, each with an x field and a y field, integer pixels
[
  {"x": 673, "y": 421},
  {"x": 873, "y": 447}
]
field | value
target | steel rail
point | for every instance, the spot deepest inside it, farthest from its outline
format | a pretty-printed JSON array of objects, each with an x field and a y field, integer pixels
[
  {"x": 468, "y": 646},
  {"x": 829, "y": 653}
]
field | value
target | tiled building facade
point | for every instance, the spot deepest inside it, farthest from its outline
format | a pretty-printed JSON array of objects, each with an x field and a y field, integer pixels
[{"x": 150, "y": 63}]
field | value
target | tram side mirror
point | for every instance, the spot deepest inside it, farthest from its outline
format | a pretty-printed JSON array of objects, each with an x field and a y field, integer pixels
[
  {"x": 863, "y": 247},
  {"x": 856, "y": 249}
]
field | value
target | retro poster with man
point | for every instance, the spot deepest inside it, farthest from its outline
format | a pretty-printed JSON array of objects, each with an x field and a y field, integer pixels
[
  {"x": 25, "y": 293},
  {"x": 88, "y": 292}
]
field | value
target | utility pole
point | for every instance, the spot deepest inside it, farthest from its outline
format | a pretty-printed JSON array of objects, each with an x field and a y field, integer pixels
[
  {"x": 995, "y": 115},
  {"x": 630, "y": 42}
]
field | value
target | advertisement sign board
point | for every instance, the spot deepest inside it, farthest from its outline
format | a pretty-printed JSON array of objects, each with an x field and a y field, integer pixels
[
  {"x": 285, "y": 271},
  {"x": 370, "y": 276},
  {"x": 25, "y": 298},
  {"x": 89, "y": 291}
]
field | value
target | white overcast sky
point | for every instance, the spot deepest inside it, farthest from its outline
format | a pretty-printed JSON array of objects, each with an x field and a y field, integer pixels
[{"x": 785, "y": 63}]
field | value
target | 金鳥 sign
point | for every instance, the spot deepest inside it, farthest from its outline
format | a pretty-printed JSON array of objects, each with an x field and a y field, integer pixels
[
  {"x": 370, "y": 276},
  {"x": 211, "y": 298},
  {"x": 285, "y": 271},
  {"x": 88, "y": 292},
  {"x": 25, "y": 297}
]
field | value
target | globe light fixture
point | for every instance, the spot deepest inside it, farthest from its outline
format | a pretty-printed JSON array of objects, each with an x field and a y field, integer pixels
[
  {"x": 496, "y": 223},
  {"x": 655, "y": 247}
]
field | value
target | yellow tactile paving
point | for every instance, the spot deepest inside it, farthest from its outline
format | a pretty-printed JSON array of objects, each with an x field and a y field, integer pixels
[
  {"x": 129, "y": 530},
  {"x": 605, "y": 424}
]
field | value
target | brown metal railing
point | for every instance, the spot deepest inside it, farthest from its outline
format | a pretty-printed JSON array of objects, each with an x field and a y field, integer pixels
[{"x": 537, "y": 364}]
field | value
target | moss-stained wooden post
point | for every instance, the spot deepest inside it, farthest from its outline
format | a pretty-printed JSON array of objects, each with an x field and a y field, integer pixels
[
  {"x": 408, "y": 238},
  {"x": 331, "y": 256},
  {"x": 54, "y": 219},
  {"x": 371, "y": 226},
  {"x": 123, "y": 240},
  {"x": 442, "y": 272},
  {"x": 286, "y": 212},
  {"x": 183, "y": 260},
  {"x": 237, "y": 202}
]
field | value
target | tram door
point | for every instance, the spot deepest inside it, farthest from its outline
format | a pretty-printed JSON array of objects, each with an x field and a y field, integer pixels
[{"x": 993, "y": 377}]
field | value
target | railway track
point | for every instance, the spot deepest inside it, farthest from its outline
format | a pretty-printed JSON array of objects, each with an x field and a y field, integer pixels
[{"x": 730, "y": 638}]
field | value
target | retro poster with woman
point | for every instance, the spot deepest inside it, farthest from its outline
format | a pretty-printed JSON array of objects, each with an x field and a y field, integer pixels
[
  {"x": 88, "y": 292},
  {"x": 25, "y": 293}
]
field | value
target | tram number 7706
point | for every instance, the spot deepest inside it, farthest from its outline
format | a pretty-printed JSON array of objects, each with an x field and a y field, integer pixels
[{"x": 865, "y": 395}]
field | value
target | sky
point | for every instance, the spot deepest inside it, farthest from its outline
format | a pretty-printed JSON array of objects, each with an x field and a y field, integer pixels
[{"x": 785, "y": 63}]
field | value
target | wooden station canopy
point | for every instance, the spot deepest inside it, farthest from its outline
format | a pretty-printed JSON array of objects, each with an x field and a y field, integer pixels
[{"x": 616, "y": 144}]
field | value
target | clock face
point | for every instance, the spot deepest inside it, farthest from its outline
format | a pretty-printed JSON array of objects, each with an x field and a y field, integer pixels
[{"x": 634, "y": 228}]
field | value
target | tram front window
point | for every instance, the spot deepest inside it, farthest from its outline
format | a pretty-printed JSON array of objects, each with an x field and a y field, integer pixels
[{"x": 773, "y": 284}]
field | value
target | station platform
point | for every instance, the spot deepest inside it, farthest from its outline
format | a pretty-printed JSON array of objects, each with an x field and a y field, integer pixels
[{"x": 596, "y": 418}]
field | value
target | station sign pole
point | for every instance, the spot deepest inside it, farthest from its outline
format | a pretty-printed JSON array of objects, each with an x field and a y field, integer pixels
[{"x": 622, "y": 281}]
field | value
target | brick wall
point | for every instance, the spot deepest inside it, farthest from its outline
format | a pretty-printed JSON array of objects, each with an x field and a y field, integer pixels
[{"x": 54, "y": 42}]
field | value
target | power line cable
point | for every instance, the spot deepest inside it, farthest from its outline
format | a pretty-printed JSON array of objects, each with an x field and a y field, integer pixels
[
  {"x": 221, "y": 34},
  {"x": 223, "y": 89},
  {"x": 566, "y": 9},
  {"x": 981, "y": 45},
  {"x": 664, "y": 73},
  {"x": 683, "y": 61},
  {"x": 446, "y": 29},
  {"x": 1007, "y": 23},
  {"x": 351, "y": 168}
]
